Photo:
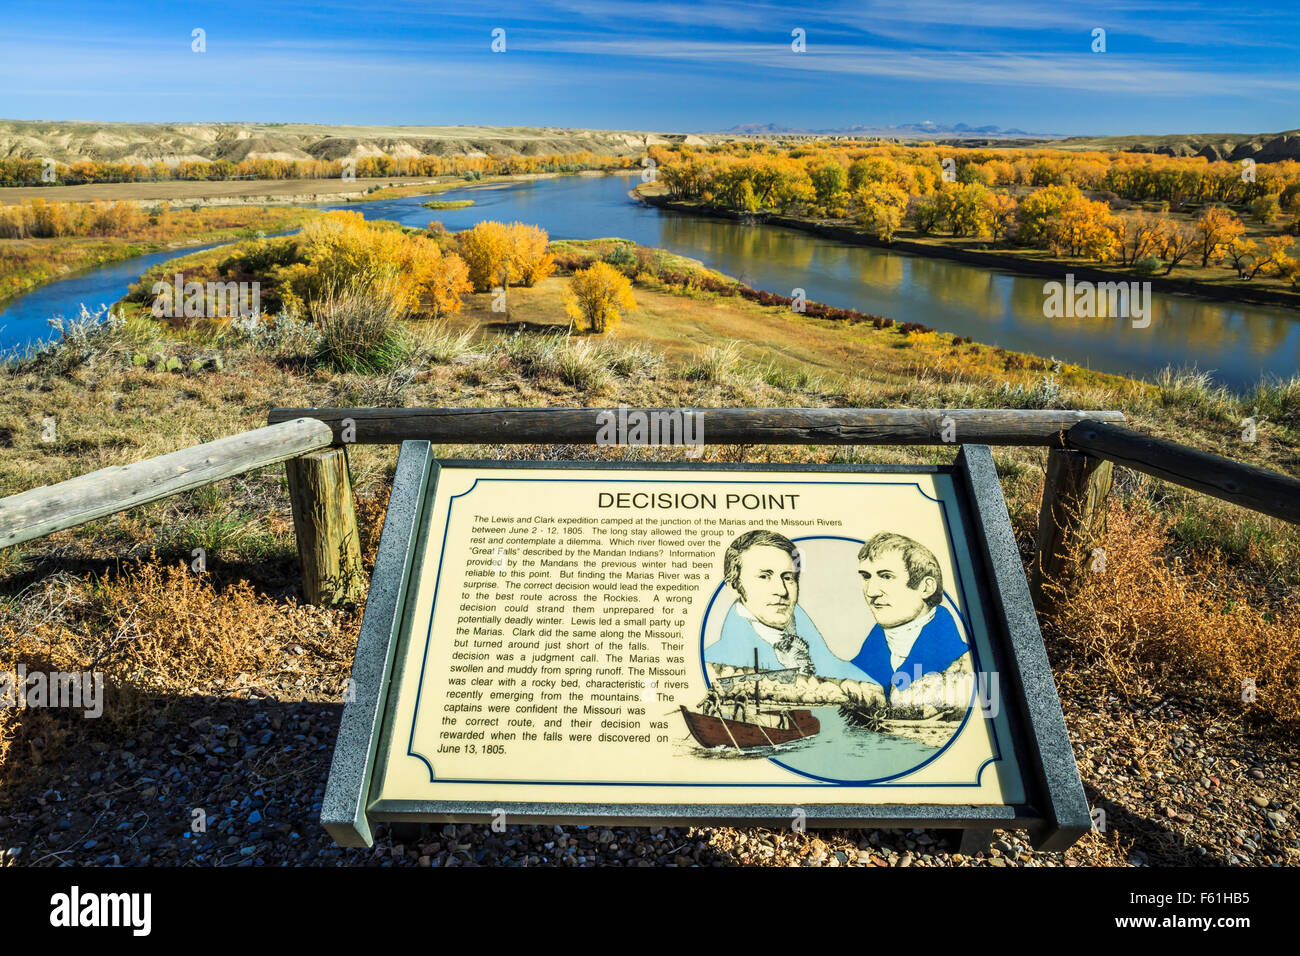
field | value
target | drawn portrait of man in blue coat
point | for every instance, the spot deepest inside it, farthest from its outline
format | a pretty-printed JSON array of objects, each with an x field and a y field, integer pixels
[
  {"x": 762, "y": 567},
  {"x": 914, "y": 634}
]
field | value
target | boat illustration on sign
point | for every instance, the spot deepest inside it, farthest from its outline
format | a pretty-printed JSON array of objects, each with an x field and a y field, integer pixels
[{"x": 750, "y": 726}]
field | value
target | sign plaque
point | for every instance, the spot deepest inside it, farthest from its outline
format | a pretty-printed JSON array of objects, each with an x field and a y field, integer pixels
[{"x": 652, "y": 644}]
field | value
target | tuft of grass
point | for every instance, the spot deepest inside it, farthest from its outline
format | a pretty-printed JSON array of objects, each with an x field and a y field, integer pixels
[
  {"x": 532, "y": 356},
  {"x": 578, "y": 363},
  {"x": 1278, "y": 401},
  {"x": 361, "y": 328},
  {"x": 801, "y": 379},
  {"x": 635, "y": 361},
  {"x": 1192, "y": 388},
  {"x": 438, "y": 343},
  {"x": 582, "y": 365},
  {"x": 718, "y": 364}
]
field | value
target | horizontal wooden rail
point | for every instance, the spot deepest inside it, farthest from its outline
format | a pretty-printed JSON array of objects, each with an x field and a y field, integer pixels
[
  {"x": 41, "y": 511},
  {"x": 718, "y": 426},
  {"x": 1247, "y": 485}
]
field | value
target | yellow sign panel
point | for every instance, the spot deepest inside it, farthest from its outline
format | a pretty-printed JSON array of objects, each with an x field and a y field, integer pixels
[{"x": 598, "y": 636}]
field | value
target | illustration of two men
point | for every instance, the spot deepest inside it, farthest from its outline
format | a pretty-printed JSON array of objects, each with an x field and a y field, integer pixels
[{"x": 902, "y": 584}]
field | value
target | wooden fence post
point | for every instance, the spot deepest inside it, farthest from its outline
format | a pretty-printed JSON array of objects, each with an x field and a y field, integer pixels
[
  {"x": 325, "y": 523},
  {"x": 1071, "y": 520}
]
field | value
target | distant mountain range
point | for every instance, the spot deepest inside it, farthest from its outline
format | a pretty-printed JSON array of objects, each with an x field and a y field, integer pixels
[{"x": 925, "y": 129}]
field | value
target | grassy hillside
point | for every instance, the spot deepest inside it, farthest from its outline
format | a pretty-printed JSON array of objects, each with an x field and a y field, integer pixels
[
  {"x": 172, "y": 142},
  {"x": 1264, "y": 147}
]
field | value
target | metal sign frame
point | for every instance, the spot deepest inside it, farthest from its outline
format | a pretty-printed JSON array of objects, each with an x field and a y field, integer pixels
[{"x": 1055, "y": 811}]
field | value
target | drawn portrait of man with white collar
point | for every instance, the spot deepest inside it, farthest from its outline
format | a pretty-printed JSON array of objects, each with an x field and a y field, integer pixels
[{"x": 762, "y": 568}]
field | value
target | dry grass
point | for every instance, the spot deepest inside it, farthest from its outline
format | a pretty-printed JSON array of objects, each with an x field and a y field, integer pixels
[
  {"x": 159, "y": 631},
  {"x": 1183, "y": 625}
]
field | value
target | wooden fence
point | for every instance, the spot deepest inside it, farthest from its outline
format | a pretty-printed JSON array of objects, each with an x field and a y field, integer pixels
[{"x": 1083, "y": 448}]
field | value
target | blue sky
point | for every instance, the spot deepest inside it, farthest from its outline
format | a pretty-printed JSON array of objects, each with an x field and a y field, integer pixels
[{"x": 1168, "y": 67}]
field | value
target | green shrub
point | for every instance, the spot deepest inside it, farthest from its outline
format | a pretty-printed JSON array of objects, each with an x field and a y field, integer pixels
[{"x": 623, "y": 259}]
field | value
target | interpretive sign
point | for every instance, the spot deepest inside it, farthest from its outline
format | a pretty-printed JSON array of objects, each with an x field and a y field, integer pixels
[{"x": 791, "y": 645}]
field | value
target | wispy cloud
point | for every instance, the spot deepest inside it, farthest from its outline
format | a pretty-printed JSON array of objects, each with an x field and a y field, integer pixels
[
  {"x": 670, "y": 65},
  {"x": 1089, "y": 72}
]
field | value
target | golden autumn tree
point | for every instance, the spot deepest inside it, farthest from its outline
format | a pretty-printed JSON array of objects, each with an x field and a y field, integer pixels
[
  {"x": 1241, "y": 252},
  {"x": 1274, "y": 259},
  {"x": 342, "y": 249},
  {"x": 486, "y": 250},
  {"x": 1082, "y": 227},
  {"x": 963, "y": 207},
  {"x": 1038, "y": 209},
  {"x": 530, "y": 263},
  {"x": 1137, "y": 237},
  {"x": 596, "y": 298},
  {"x": 1000, "y": 214},
  {"x": 829, "y": 180},
  {"x": 432, "y": 280},
  {"x": 501, "y": 255},
  {"x": 1216, "y": 227},
  {"x": 880, "y": 208},
  {"x": 1177, "y": 242}
]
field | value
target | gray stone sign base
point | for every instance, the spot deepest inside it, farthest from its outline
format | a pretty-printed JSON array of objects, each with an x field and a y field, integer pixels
[{"x": 1055, "y": 813}]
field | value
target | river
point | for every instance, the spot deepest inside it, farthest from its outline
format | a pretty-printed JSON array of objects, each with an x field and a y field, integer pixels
[{"x": 1238, "y": 343}]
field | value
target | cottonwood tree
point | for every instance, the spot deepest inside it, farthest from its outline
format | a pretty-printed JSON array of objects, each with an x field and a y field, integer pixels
[
  {"x": 1215, "y": 228},
  {"x": 1137, "y": 237},
  {"x": 596, "y": 298},
  {"x": 501, "y": 255},
  {"x": 1177, "y": 242},
  {"x": 1274, "y": 258},
  {"x": 881, "y": 208},
  {"x": 1082, "y": 228},
  {"x": 1000, "y": 214}
]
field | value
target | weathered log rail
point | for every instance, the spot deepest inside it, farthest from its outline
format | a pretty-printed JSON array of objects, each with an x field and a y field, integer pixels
[
  {"x": 1250, "y": 486},
  {"x": 721, "y": 426},
  {"x": 1082, "y": 448},
  {"x": 41, "y": 511}
]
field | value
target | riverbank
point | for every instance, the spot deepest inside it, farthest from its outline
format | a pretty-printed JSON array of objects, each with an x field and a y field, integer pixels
[
  {"x": 269, "y": 192},
  {"x": 28, "y": 264},
  {"x": 1034, "y": 262}
]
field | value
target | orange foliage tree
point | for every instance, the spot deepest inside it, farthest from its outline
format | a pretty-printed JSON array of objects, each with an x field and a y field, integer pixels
[
  {"x": 1215, "y": 229},
  {"x": 501, "y": 255},
  {"x": 596, "y": 298}
]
